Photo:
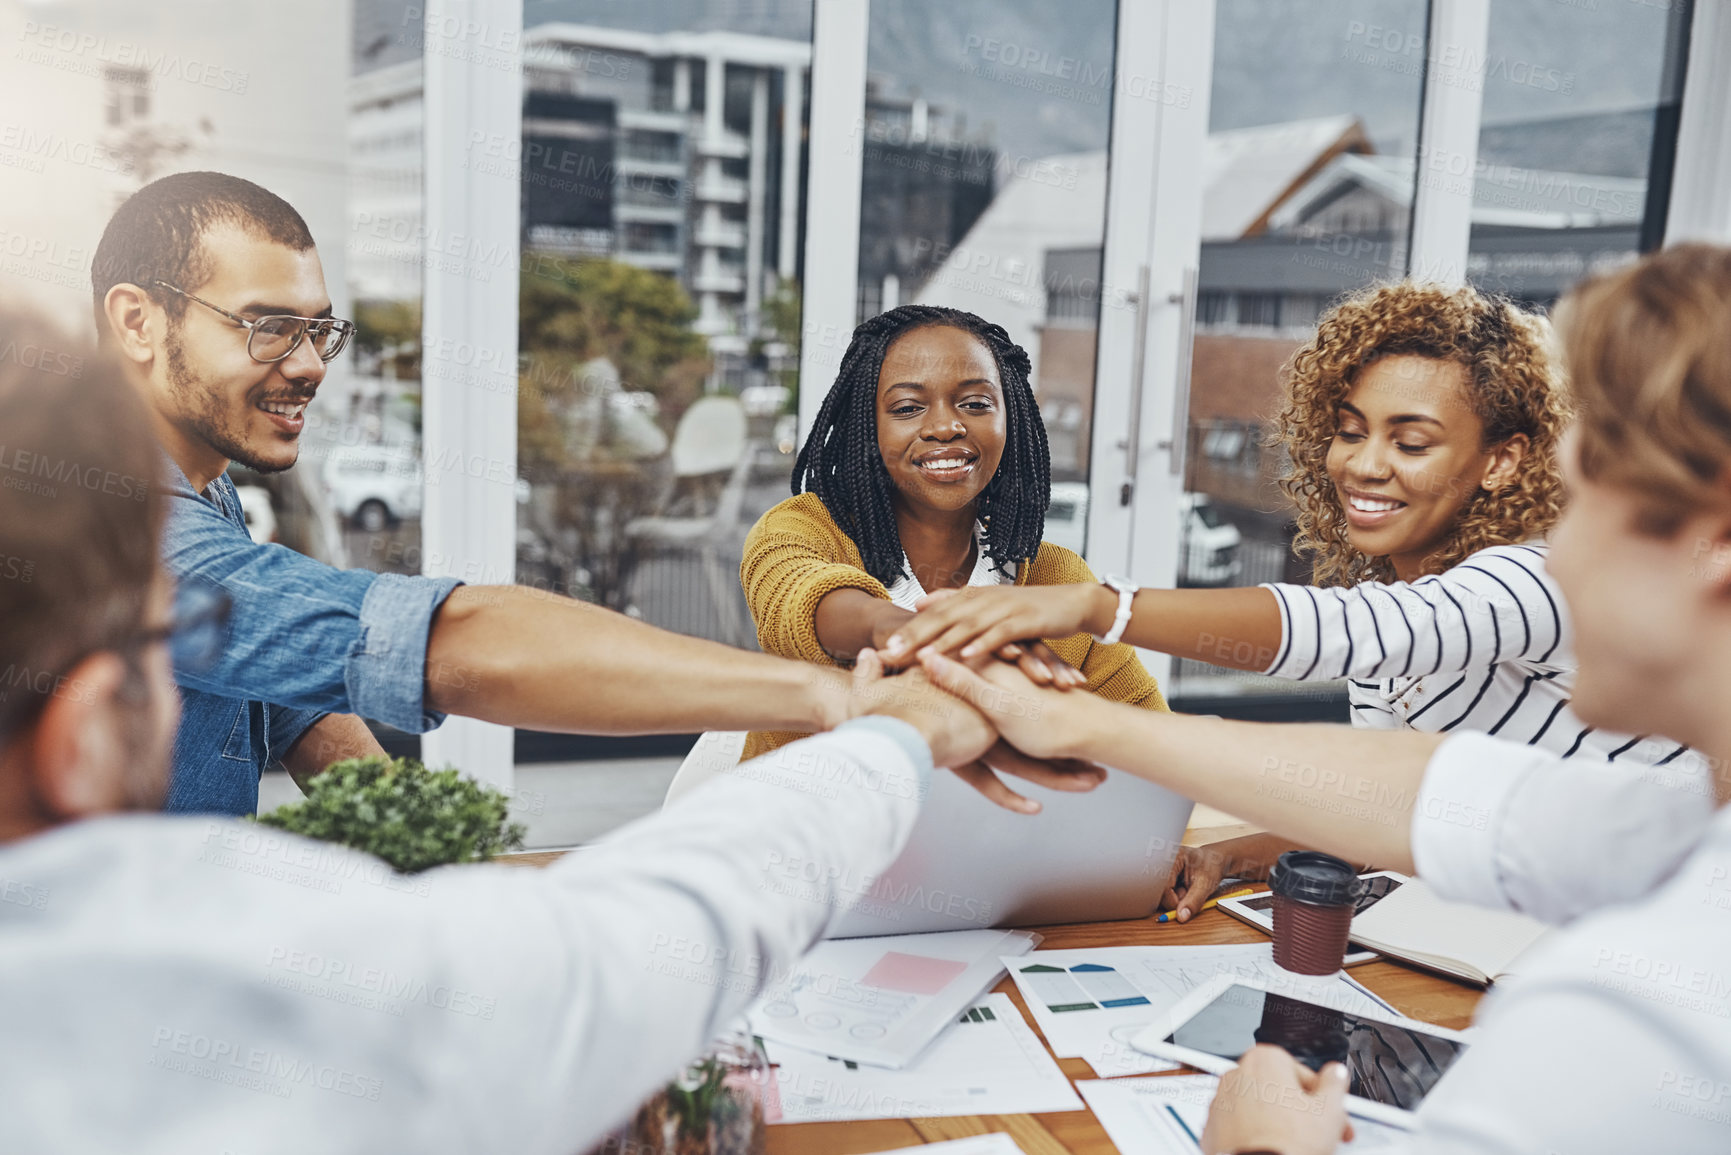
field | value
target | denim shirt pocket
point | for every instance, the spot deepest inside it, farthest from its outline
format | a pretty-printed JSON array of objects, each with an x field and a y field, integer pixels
[{"x": 239, "y": 744}]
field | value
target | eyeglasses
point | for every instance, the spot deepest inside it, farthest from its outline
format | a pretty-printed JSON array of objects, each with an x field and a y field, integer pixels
[
  {"x": 272, "y": 339},
  {"x": 196, "y": 632}
]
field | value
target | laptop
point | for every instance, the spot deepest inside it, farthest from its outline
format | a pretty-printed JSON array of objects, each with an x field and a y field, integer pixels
[{"x": 1092, "y": 857}]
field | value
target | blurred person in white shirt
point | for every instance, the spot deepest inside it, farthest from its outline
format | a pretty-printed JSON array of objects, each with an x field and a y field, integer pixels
[
  {"x": 200, "y": 984},
  {"x": 1616, "y": 1037}
]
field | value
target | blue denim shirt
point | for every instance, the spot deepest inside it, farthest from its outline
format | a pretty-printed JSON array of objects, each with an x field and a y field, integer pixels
[{"x": 304, "y": 640}]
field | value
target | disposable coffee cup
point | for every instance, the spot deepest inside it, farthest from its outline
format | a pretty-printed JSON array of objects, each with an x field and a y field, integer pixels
[{"x": 1314, "y": 896}]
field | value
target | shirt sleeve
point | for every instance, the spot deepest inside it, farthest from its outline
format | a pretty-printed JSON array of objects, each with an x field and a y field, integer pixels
[
  {"x": 302, "y": 634},
  {"x": 1498, "y": 605},
  {"x": 283, "y": 727},
  {"x": 1568, "y": 1069},
  {"x": 624, "y": 959},
  {"x": 1500, "y": 825},
  {"x": 785, "y": 575}
]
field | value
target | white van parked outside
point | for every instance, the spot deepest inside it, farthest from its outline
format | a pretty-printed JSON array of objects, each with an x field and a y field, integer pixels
[{"x": 1208, "y": 550}]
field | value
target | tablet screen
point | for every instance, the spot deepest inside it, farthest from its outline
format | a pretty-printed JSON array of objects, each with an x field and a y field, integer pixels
[
  {"x": 1389, "y": 1064},
  {"x": 1376, "y": 888}
]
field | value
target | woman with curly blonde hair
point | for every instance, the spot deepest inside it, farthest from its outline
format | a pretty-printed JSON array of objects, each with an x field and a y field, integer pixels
[{"x": 1422, "y": 425}]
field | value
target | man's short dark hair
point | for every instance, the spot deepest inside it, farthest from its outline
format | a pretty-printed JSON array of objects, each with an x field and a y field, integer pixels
[
  {"x": 79, "y": 512},
  {"x": 158, "y": 233}
]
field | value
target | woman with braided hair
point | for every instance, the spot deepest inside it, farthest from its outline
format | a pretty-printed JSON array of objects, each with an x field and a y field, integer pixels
[
  {"x": 1421, "y": 423},
  {"x": 927, "y": 470}
]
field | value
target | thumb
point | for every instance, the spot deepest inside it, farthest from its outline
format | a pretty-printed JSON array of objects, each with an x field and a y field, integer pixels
[
  {"x": 1332, "y": 1082},
  {"x": 868, "y": 669},
  {"x": 936, "y": 597}
]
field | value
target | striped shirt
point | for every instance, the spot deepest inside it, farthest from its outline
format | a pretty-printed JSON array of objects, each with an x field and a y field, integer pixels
[{"x": 1486, "y": 646}]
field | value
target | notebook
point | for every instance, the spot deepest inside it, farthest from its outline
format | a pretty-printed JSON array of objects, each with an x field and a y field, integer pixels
[{"x": 1462, "y": 941}]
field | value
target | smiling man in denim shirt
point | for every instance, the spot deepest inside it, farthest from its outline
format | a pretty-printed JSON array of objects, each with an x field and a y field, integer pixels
[{"x": 210, "y": 290}]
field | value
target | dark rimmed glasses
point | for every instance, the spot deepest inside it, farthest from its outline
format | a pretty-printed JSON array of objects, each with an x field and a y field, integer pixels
[
  {"x": 196, "y": 634},
  {"x": 271, "y": 339}
]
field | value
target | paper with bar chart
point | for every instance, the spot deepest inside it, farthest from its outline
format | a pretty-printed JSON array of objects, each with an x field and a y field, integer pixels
[{"x": 1090, "y": 1003}]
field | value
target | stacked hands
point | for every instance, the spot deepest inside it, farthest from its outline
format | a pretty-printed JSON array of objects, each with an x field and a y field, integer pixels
[
  {"x": 980, "y": 645},
  {"x": 989, "y": 699}
]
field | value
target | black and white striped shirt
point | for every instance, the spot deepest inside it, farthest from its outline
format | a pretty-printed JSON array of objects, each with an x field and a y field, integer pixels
[{"x": 1486, "y": 646}]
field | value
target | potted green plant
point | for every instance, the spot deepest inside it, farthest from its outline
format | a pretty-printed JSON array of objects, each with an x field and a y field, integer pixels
[
  {"x": 715, "y": 1106},
  {"x": 397, "y": 809}
]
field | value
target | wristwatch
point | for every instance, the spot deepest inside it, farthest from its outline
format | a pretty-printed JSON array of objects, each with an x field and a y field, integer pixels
[{"x": 1126, "y": 591}]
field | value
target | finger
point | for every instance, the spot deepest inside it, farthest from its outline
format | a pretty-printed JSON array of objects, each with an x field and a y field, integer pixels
[
  {"x": 1056, "y": 774},
  {"x": 920, "y": 629},
  {"x": 955, "y": 636},
  {"x": 996, "y": 635},
  {"x": 1038, "y": 672},
  {"x": 867, "y": 668},
  {"x": 954, "y": 678},
  {"x": 936, "y": 597},
  {"x": 1169, "y": 900},
  {"x": 980, "y": 777},
  {"x": 1011, "y": 651},
  {"x": 1064, "y": 675}
]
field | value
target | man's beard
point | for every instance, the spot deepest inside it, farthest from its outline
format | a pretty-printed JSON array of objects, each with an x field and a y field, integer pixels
[{"x": 203, "y": 412}]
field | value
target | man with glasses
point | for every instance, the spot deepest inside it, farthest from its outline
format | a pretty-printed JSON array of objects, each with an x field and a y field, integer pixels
[
  {"x": 177, "y": 983},
  {"x": 210, "y": 290}
]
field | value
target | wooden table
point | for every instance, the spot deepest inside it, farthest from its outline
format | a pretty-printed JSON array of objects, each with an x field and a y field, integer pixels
[{"x": 1412, "y": 992}]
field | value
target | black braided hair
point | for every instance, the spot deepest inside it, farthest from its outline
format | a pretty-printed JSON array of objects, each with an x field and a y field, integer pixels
[{"x": 841, "y": 464}]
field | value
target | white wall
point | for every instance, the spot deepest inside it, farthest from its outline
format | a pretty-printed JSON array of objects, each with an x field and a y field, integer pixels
[{"x": 264, "y": 98}]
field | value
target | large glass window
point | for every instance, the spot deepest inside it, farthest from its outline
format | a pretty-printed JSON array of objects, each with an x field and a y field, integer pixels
[
  {"x": 104, "y": 97},
  {"x": 1573, "y": 120},
  {"x": 984, "y": 188},
  {"x": 1308, "y": 172},
  {"x": 661, "y": 164}
]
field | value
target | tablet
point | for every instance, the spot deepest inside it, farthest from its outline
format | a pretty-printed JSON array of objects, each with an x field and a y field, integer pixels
[
  {"x": 1393, "y": 1062},
  {"x": 1258, "y": 909}
]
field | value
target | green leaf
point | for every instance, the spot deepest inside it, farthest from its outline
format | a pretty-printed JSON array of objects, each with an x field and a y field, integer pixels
[{"x": 411, "y": 817}]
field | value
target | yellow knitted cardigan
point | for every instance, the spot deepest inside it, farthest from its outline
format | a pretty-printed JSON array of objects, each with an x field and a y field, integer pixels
[{"x": 796, "y": 554}]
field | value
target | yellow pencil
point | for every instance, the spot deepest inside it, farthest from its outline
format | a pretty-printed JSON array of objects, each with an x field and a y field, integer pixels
[{"x": 1167, "y": 917}]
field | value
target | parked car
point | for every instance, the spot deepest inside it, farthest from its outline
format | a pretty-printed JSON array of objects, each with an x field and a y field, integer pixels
[
  {"x": 256, "y": 508},
  {"x": 374, "y": 486},
  {"x": 1208, "y": 547},
  {"x": 1208, "y": 551}
]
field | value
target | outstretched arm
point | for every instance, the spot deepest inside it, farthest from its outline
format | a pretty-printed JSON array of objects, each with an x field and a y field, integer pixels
[
  {"x": 521, "y": 657},
  {"x": 1482, "y": 820},
  {"x": 1237, "y": 628}
]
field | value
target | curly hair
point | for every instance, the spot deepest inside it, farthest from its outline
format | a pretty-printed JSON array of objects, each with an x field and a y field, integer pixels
[
  {"x": 840, "y": 461},
  {"x": 1514, "y": 385}
]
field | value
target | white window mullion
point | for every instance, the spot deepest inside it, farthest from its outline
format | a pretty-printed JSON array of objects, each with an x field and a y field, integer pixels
[
  {"x": 1700, "y": 208},
  {"x": 832, "y": 197},
  {"x": 473, "y": 91},
  {"x": 1448, "y": 140}
]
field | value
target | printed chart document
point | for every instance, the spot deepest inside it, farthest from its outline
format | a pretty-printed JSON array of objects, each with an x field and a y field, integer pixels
[
  {"x": 1466, "y": 942},
  {"x": 1165, "y": 1115},
  {"x": 987, "y": 1062},
  {"x": 882, "y": 1000},
  {"x": 1091, "y": 1003}
]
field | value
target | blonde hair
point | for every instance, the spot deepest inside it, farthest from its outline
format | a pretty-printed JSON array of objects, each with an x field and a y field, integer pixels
[
  {"x": 1513, "y": 387},
  {"x": 1649, "y": 350}
]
